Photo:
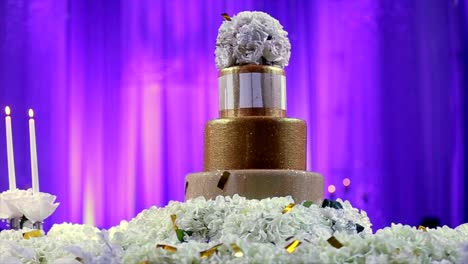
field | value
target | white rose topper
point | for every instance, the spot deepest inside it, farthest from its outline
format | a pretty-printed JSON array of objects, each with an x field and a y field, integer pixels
[{"x": 252, "y": 38}]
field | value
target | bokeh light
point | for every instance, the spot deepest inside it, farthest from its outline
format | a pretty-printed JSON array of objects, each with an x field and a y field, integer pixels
[{"x": 346, "y": 182}]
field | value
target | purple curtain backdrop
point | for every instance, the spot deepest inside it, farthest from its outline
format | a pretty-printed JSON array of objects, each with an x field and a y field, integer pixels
[{"x": 122, "y": 89}]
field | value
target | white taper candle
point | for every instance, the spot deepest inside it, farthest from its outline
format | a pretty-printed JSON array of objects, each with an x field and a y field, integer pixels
[
  {"x": 10, "y": 155},
  {"x": 32, "y": 143}
]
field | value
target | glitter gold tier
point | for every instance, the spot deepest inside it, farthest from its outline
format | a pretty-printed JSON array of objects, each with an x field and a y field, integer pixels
[
  {"x": 257, "y": 184},
  {"x": 255, "y": 142}
]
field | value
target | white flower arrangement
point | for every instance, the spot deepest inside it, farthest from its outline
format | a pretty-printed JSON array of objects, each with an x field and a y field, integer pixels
[
  {"x": 10, "y": 203},
  {"x": 252, "y": 38},
  {"x": 34, "y": 206},
  {"x": 238, "y": 230}
]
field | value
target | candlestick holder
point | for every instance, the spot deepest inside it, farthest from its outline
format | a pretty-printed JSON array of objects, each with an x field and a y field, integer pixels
[
  {"x": 16, "y": 223},
  {"x": 38, "y": 225}
]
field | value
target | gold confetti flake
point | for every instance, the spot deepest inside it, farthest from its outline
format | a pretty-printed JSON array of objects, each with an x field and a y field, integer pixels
[
  {"x": 174, "y": 218},
  {"x": 292, "y": 246},
  {"x": 209, "y": 252},
  {"x": 288, "y": 208},
  {"x": 167, "y": 247},
  {"x": 335, "y": 242},
  {"x": 34, "y": 233},
  {"x": 237, "y": 250},
  {"x": 226, "y": 16},
  {"x": 223, "y": 180},
  {"x": 422, "y": 228}
]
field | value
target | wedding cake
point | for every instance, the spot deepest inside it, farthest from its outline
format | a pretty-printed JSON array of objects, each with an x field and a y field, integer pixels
[{"x": 253, "y": 149}]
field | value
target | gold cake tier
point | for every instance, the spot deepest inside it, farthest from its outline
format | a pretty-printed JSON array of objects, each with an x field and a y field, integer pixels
[{"x": 255, "y": 142}]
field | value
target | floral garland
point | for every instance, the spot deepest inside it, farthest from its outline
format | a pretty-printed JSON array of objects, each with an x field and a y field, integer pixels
[{"x": 238, "y": 230}]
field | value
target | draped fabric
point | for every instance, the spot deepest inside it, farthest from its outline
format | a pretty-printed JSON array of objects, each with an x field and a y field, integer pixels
[{"x": 122, "y": 89}]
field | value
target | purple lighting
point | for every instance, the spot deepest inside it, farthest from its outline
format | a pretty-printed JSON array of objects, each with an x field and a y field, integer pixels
[{"x": 122, "y": 89}]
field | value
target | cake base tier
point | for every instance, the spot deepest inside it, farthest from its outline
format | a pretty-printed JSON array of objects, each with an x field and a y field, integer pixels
[{"x": 255, "y": 184}]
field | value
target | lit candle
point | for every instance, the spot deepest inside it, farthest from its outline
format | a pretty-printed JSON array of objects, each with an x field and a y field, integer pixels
[
  {"x": 32, "y": 143},
  {"x": 11, "y": 158}
]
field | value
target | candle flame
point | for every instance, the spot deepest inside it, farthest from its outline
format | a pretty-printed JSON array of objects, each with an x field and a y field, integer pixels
[
  {"x": 31, "y": 113},
  {"x": 7, "y": 110}
]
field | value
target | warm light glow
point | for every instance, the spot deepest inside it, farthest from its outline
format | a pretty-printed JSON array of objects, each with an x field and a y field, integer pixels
[
  {"x": 7, "y": 110},
  {"x": 31, "y": 113},
  {"x": 346, "y": 182},
  {"x": 331, "y": 188}
]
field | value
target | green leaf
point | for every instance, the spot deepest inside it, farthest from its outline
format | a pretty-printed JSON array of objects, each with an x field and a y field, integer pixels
[
  {"x": 307, "y": 204},
  {"x": 181, "y": 234}
]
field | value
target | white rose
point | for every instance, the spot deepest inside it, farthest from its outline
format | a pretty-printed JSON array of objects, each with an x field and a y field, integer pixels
[{"x": 252, "y": 38}]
